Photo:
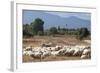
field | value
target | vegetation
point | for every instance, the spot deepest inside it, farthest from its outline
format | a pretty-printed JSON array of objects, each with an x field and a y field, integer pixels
[
  {"x": 27, "y": 31},
  {"x": 36, "y": 28},
  {"x": 37, "y": 25},
  {"x": 82, "y": 32}
]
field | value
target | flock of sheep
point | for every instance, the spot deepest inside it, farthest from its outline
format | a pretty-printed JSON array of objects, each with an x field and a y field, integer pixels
[{"x": 84, "y": 52}]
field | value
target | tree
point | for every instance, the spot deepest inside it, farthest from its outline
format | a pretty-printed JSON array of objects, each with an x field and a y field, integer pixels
[
  {"x": 82, "y": 33},
  {"x": 66, "y": 25},
  {"x": 26, "y": 30},
  {"x": 59, "y": 28},
  {"x": 37, "y": 25},
  {"x": 53, "y": 30}
]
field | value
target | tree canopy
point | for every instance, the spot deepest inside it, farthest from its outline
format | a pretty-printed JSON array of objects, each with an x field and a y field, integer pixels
[{"x": 37, "y": 26}]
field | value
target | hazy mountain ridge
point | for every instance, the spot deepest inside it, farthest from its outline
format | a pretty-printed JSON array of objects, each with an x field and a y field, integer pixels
[{"x": 55, "y": 20}]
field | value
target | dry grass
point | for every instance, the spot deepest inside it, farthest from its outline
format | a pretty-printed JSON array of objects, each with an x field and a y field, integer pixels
[{"x": 61, "y": 40}]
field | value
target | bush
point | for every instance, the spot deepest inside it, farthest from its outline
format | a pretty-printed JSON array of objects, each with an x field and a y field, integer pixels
[
  {"x": 40, "y": 33},
  {"x": 82, "y": 33},
  {"x": 53, "y": 30}
]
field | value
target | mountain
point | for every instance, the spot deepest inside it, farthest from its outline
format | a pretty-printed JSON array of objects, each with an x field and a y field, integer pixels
[
  {"x": 75, "y": 22},
  {"x": 51, "y": 20}
]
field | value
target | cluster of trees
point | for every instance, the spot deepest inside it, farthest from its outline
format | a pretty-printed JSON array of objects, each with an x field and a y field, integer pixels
[{"x": 36, "y": 28}]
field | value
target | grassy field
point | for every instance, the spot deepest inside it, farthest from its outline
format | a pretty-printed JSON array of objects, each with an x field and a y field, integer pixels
[{"x": 57, "y": 40}]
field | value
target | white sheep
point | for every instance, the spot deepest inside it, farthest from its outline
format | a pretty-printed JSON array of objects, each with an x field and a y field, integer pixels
[
  {"x": 86, "y": 52},
  {"x": 52, "y": 49},
  {"x": 36, "y": 49},
  {"x": 29, "y": 48},
  {"x": 79, "y": 50},
  {"x": 62, "y": 51},
  {"x": 41, "y": 52},
  {"x": 46, "y": 53},
  {"x": 85, "y": 56},
  {"x": 47, "y": 48},
  {"x": 76, "y": 52},
  {"x": 66, "y": 52},
  {"x": 55, "y": 53},
  {"x": 37, "y": 54},
  {"x": 28, "y": 53},
  {"x": 70, "y": 51},
  {"x": 47, "y": 44},
  {"x": 58, "y": 47}
]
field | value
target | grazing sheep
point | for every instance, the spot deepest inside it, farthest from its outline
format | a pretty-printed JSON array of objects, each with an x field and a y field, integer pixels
[
  {"x": 67, "y": 51},
  {"x": 47, "y": 48},
  {"x": 77, "y": 52},
  {"x": 35, "y": 49},
  {"x": 71, "y": 51},
  {"x": 62, "y": 51},
  {"x": 85, "y": 57},
  {"x": 52, "y": 49},
  {"x": 86, "y": 52},
  {"x": 40, "y": 52},
  {"x": 29, "y": 48},
  {"x": 28, "y": 53},
  {"x": 46, "y": 53},
  {"x": 47, "y": 45},
  {"x": 81, "y": 50},
  {"x": 37, "y": 54},
  {"x": 55, "y": 53},
  {"x": 58, "y": 47}
]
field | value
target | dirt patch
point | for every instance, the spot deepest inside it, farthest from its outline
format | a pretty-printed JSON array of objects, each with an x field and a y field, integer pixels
[{"x": 49, "y": 58}]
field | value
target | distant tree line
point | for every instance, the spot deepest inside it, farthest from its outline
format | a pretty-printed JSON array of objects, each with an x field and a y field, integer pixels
[{"x": 36, "y": 28}]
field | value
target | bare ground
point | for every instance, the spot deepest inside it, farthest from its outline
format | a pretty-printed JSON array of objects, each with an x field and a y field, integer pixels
[
  {"x": 61, "y": 40},
  {"x": 49, "y": 58}
]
